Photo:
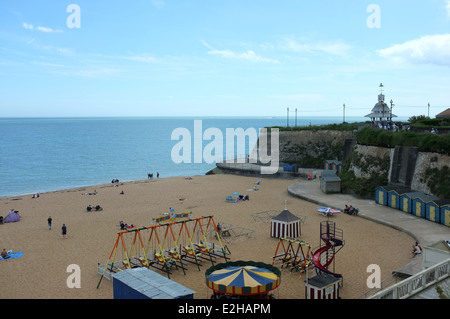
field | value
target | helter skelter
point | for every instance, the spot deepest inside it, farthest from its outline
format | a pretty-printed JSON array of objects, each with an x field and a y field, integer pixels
[{"x": 167, "y": 247}]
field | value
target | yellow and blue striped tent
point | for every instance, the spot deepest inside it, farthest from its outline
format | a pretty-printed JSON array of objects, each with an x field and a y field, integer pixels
[{"x": 243, "y": 278}]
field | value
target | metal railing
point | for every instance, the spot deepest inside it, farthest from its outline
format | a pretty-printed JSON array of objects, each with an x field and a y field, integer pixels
[
  {"x": 416, "y": 283},
  {"x": 389, "y": 281}
]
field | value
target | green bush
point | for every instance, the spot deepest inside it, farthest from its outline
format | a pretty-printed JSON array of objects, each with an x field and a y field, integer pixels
[
  {"x": 425, "y": 142},
  {"x": 438, "y": 181}
]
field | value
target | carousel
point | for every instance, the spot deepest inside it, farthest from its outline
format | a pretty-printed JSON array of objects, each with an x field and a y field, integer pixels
[{"x": 243, "y": 280}]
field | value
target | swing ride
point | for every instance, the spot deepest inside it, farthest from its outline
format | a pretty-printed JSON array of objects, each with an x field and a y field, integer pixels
[
  {"x": 167, "y": 247},
  {"x": 295, "y": 254}
]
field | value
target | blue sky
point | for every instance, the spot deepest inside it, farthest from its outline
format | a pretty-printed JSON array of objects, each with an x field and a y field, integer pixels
[{"x": 224, "y": 58}]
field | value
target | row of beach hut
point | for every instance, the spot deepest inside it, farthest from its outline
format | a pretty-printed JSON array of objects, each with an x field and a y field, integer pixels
[{"x": 416, "y": 203}]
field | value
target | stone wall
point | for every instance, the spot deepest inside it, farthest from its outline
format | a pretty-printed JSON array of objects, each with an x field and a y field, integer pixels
[{"x": 309, "y": 148}]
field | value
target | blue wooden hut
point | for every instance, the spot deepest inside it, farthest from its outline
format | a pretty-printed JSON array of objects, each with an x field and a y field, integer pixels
[
  {"x": 333, "y": 165},
  {"x": 405, "y": 204},
  {"x": 444, "y": 211},
  {"x": 419, "y": 204},
  {"x": 393, "y": 195},
  {"x": 432, "y": 211},
  {"x": 381, "y": 195}
]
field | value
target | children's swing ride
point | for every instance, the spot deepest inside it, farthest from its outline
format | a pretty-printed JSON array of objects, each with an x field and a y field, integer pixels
[{"x": 167, "y": 246}]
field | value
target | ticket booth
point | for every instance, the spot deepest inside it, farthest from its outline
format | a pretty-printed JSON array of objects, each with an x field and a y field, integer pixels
[{"x": 323, "y": 286}]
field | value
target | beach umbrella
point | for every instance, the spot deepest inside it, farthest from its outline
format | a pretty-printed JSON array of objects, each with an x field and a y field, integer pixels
[
  {"x": 328, "y": 210},
  {"x": 235, "y": 193},
  {"x": 243, "y": 278}
]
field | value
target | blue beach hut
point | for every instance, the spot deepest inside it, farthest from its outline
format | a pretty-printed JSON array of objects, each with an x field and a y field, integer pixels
[
  {"x": 381, "y": 195},
  {"x": 432, "y": 211},
  {"x": 444, "y": 212},
  {"x": 405, "y": 202},
  {"x": 393, "y": 195},
  {"x": 419, "y": 204},
  {"x": 333, "y": 165}
]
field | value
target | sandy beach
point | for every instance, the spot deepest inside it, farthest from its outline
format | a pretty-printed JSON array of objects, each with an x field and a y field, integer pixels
[{"x": 41, "y": 273}]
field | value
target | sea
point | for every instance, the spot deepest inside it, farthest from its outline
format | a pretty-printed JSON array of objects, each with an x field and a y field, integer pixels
[{"x": 39, "y": 155}]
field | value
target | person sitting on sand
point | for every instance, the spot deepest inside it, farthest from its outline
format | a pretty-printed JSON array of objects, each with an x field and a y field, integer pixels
[
  {"x": 349, "y": 210},
  {"x": 122, "y": 225},
  {"x": 89, "y": 208},
  {"x": 417, "y": 249},
  {"x": 5, "y": 254}
]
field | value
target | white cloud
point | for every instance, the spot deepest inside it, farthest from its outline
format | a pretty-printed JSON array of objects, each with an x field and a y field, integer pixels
[
  {"x": 429, "y": 49},
  {"x": 448, "y": 8},
  {"x": 39, "y": 28},
  {"x": 142, "y": 58},
  {"x": 248, "y": 55},
  {"x": 305, "y": 46},
  {"x": 27, "y": 26}
]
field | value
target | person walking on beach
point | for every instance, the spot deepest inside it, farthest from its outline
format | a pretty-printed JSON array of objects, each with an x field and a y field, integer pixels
[
  {"x": 64, "y": 230},
  {"x": 49, "y": 220}
]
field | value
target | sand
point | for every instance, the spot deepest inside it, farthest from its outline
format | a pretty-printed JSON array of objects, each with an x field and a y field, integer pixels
[{"x": 42, "y": 272}]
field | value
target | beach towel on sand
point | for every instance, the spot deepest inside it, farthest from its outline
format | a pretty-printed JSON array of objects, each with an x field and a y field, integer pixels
[{"x": 17, "y": 254}]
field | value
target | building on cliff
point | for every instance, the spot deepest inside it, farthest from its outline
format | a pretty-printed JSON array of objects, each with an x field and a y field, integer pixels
[
  {"x": 444, "y": 114},
  {"x": 381, "y": 112}
]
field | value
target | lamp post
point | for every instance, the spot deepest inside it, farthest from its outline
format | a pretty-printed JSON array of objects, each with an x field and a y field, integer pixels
[
  {"x": 392, "y": 105},
  {"x": 343, "y": 120}
]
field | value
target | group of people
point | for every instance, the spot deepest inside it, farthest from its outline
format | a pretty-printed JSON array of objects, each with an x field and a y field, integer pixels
[
  {"x": 124, "y": 226},
  {"x": 150, "y": 175},
  {"x": 95, "y": 209},
  {"x": 392, "y": 126},
  {"x": 63, "y": 228},
  {"x": 349, "y": 209}
]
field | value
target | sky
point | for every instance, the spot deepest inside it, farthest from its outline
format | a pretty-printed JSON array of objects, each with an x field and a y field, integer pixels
[{"x": 222, "y": 58}]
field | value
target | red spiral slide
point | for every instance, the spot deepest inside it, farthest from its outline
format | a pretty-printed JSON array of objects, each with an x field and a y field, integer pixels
[{"x": 318, "y": 261}]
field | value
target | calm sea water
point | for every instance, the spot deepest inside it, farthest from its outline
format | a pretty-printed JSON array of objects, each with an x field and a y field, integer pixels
[{"x": 46, "y": 154}]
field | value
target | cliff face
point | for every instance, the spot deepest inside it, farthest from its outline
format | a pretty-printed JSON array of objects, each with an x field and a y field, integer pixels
[
  {"x": 312, "y": 148},
  {"x": 365, "y": 167}
]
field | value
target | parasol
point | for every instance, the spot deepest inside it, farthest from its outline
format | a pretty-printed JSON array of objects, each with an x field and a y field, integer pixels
[{"x": 327, "y": 211}]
